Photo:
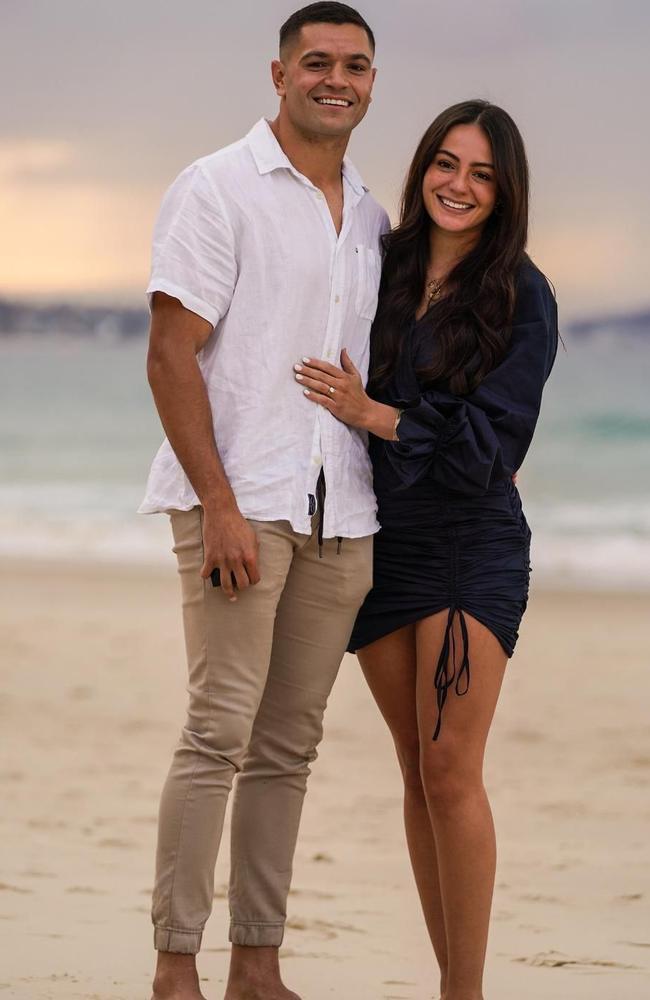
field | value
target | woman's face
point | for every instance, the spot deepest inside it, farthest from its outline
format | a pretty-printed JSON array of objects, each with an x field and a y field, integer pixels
[{"x": 459, "y": 188}]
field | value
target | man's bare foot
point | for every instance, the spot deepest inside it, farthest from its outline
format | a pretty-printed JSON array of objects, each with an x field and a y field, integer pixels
[
  {"x": 176, "y": 978},
  {"x": 255, "y": 975}
]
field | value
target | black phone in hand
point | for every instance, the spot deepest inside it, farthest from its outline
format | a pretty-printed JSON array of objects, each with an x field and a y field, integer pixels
[{"x": 215, "y": 576}]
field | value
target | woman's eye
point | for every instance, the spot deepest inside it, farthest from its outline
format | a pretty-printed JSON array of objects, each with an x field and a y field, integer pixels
[
  {"x": 483, "y": 177},
  {"x": 445, "y": 164}
]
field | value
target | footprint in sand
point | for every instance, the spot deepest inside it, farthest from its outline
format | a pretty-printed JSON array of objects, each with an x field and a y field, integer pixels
[
  {"x": 311, "y": 894},
  {"x": 86, "y": 890},
  {"x": 322, "y": 928},
  {"x": 5, "y": 887},
  {"x": 556, "y": 960},
  {"x": 117, "y": 843}
]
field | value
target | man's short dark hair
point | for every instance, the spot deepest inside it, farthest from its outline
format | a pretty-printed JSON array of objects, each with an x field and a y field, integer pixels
[{"x": 319, "y": 13}]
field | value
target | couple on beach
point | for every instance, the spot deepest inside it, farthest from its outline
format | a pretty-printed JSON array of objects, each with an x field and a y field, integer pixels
[{"x": 312, "y": 514}]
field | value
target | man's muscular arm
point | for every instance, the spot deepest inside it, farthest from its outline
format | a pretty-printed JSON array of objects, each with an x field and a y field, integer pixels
[{"x": 177, "y": 335}]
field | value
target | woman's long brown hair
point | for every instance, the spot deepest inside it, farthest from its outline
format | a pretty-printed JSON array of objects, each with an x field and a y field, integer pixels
[{"x": 470, "y": 327}]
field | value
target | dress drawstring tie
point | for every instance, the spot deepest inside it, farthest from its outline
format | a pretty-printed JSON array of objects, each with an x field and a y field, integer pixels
[{"x": 444, "y": 677}]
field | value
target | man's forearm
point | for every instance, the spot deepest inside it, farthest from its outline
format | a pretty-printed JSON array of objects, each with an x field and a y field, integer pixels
[{"x": 182, "y": 403}]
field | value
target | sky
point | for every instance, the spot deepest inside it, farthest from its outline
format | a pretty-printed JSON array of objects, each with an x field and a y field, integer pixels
[{"x": 105, "y": 101}]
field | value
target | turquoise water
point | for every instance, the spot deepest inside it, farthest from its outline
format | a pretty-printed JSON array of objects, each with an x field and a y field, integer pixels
[{"x": 78, "y": 430}]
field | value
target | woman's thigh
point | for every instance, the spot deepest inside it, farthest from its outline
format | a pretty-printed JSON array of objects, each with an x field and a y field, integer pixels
[
  {"x": 466, "y": 718},
  {"x": 390, "y": 667}
]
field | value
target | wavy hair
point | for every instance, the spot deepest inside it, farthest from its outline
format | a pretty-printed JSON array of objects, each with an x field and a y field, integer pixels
[{"x": 471, "y": 325}]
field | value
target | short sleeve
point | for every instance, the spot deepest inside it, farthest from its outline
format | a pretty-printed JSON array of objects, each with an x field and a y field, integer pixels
[
  {"x": 467, "y": 443},
  {"x": 193, "y": 257}
]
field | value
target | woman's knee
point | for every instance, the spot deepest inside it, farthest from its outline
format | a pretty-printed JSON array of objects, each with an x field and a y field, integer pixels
[
  {"x": 447, "y": 775},
  {"x": 408, "y": 755}
]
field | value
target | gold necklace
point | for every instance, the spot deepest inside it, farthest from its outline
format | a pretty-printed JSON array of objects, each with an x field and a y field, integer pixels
[{"x": 434, "y": 290}]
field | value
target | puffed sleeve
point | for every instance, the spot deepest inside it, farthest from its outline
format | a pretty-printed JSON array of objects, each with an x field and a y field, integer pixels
[
  {"x": 194, "y": 255},
  {"x": 466, "y": 443}
]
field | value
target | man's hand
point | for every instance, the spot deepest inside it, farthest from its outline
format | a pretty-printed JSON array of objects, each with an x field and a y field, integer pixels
[{"x": 231, "y": 546}]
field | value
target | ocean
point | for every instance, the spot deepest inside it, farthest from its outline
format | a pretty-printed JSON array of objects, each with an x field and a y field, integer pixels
[{"x": 78, "y": 430}]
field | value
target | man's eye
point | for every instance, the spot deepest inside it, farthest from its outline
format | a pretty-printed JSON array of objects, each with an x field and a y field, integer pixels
[
  {"x": 315, "y": 65},
  {"x": 358, "y": 67}
]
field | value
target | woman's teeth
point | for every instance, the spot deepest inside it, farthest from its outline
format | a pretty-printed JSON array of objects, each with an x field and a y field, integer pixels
[{"x": 458, "y": 205}]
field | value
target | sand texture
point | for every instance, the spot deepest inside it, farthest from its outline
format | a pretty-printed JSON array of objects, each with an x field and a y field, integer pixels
[{"x": 92, "y": 699}]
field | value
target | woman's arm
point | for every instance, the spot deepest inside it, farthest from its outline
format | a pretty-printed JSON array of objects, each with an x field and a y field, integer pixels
[
  {"x": 468, "y": 442},
  {"x": 464, "y": 442},
  {"x": 341, "y": 391}
]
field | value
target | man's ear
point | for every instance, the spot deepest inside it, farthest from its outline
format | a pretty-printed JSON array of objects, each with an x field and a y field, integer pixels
[{"x": 278, "y": 74}]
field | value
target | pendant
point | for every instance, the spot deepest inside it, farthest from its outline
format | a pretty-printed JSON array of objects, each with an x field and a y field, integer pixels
[{"x": 434, "y": 289}]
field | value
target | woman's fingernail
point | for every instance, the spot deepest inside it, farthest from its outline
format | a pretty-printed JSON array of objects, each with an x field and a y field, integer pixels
[
  {"x": 299, "y": 377},
  {"x": 297, "y": 368},
  {"x": 306, "y": 360},
  {"x": 306, "y": 392}
]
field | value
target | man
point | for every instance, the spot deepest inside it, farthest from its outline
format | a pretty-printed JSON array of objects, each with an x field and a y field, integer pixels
[{"x": 265, "y": 251}]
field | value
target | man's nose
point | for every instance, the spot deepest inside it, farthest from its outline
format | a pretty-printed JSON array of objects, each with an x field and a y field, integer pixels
[{"x": 336, "y": 77}]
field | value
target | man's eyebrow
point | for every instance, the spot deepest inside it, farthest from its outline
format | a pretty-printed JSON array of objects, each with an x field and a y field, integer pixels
[
  {"x": 355, "y": 57},
  {"x": 453, "y": 156}
]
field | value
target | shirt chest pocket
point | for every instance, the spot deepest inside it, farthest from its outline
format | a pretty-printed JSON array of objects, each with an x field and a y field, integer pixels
[{"x": 368, "y": 274}]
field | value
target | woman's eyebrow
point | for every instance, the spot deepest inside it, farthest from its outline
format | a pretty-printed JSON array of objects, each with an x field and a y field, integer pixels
[{"x": 453, "y": 156}]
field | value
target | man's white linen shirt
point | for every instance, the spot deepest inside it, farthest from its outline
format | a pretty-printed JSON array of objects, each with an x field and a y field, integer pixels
[{"x": 248, "y": 243}]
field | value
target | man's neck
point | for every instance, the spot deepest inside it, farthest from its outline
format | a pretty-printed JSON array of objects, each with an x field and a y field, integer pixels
[{"x": 318, "y": 158}]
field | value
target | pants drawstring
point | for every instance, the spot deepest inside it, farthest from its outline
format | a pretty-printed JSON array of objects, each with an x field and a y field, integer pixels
[
  {"x": 443, "y": 680},
  {"x": 320, "y": 498}
]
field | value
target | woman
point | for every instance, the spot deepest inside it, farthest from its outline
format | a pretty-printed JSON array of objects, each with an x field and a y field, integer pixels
[{"x": 463, "y": 342}]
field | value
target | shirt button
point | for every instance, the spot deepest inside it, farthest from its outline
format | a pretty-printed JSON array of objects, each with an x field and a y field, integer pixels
[{"x": 337, "y": 299}]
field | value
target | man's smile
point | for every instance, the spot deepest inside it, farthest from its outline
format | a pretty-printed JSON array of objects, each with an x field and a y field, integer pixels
[{"x": 334, "y": 102}]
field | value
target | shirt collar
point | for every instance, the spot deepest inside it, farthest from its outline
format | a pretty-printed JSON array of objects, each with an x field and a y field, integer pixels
[{"x": 269, "y": 155}]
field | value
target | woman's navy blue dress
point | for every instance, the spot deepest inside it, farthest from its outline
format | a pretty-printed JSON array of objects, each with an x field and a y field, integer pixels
[{"x": 453, "y": 534}]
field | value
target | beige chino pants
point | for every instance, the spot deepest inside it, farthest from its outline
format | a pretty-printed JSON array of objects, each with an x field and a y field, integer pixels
[{"x": 260, "y": 673}]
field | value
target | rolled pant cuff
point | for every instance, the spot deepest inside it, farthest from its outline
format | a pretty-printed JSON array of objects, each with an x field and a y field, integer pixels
[
  {"x": 262, "y": 935},
  {"x": 178, "y": 941}
]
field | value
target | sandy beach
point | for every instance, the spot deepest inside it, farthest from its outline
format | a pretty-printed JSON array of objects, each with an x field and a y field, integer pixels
[{"x": 92, "y": 700}]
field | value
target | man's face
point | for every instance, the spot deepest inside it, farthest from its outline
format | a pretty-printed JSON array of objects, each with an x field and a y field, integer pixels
[{"x": 325, "y": 79}]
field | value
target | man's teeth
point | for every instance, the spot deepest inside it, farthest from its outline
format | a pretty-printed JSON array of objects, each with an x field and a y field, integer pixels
[
  {"x": 454, "y": 204},
  {"x": 333, "y": 100}
]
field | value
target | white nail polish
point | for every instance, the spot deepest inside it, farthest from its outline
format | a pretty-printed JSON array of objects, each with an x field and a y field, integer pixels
[
  {"x": 297, "y": 368},
  {"x": 300, "y": 377},
  {"x": 306, "y": 360},
  {"x": 306, "y": 392}
]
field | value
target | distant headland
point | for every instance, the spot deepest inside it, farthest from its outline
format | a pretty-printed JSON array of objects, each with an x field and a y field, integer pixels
[{"x": 107, "y": 322}]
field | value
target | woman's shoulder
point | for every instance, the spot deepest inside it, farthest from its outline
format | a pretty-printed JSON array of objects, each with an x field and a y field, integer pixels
[{"x": 534, "y": 294}]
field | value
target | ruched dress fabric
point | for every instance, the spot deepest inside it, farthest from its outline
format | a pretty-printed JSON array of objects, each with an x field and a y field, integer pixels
[{"x": 453, "y": 534}]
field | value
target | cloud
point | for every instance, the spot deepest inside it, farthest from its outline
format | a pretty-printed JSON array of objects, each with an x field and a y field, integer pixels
[{"x": 22, "y": 159}]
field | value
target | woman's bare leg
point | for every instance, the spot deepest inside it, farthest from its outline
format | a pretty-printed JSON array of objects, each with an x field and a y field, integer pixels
[
  {"x": 452, "y": 776},
  {"x": 390, "y": 668}
]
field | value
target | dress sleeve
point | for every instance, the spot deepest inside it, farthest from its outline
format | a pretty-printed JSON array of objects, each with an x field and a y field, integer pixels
[
  {"x": 466, "y": 443},
  {"x": 194, "y": 256}
]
